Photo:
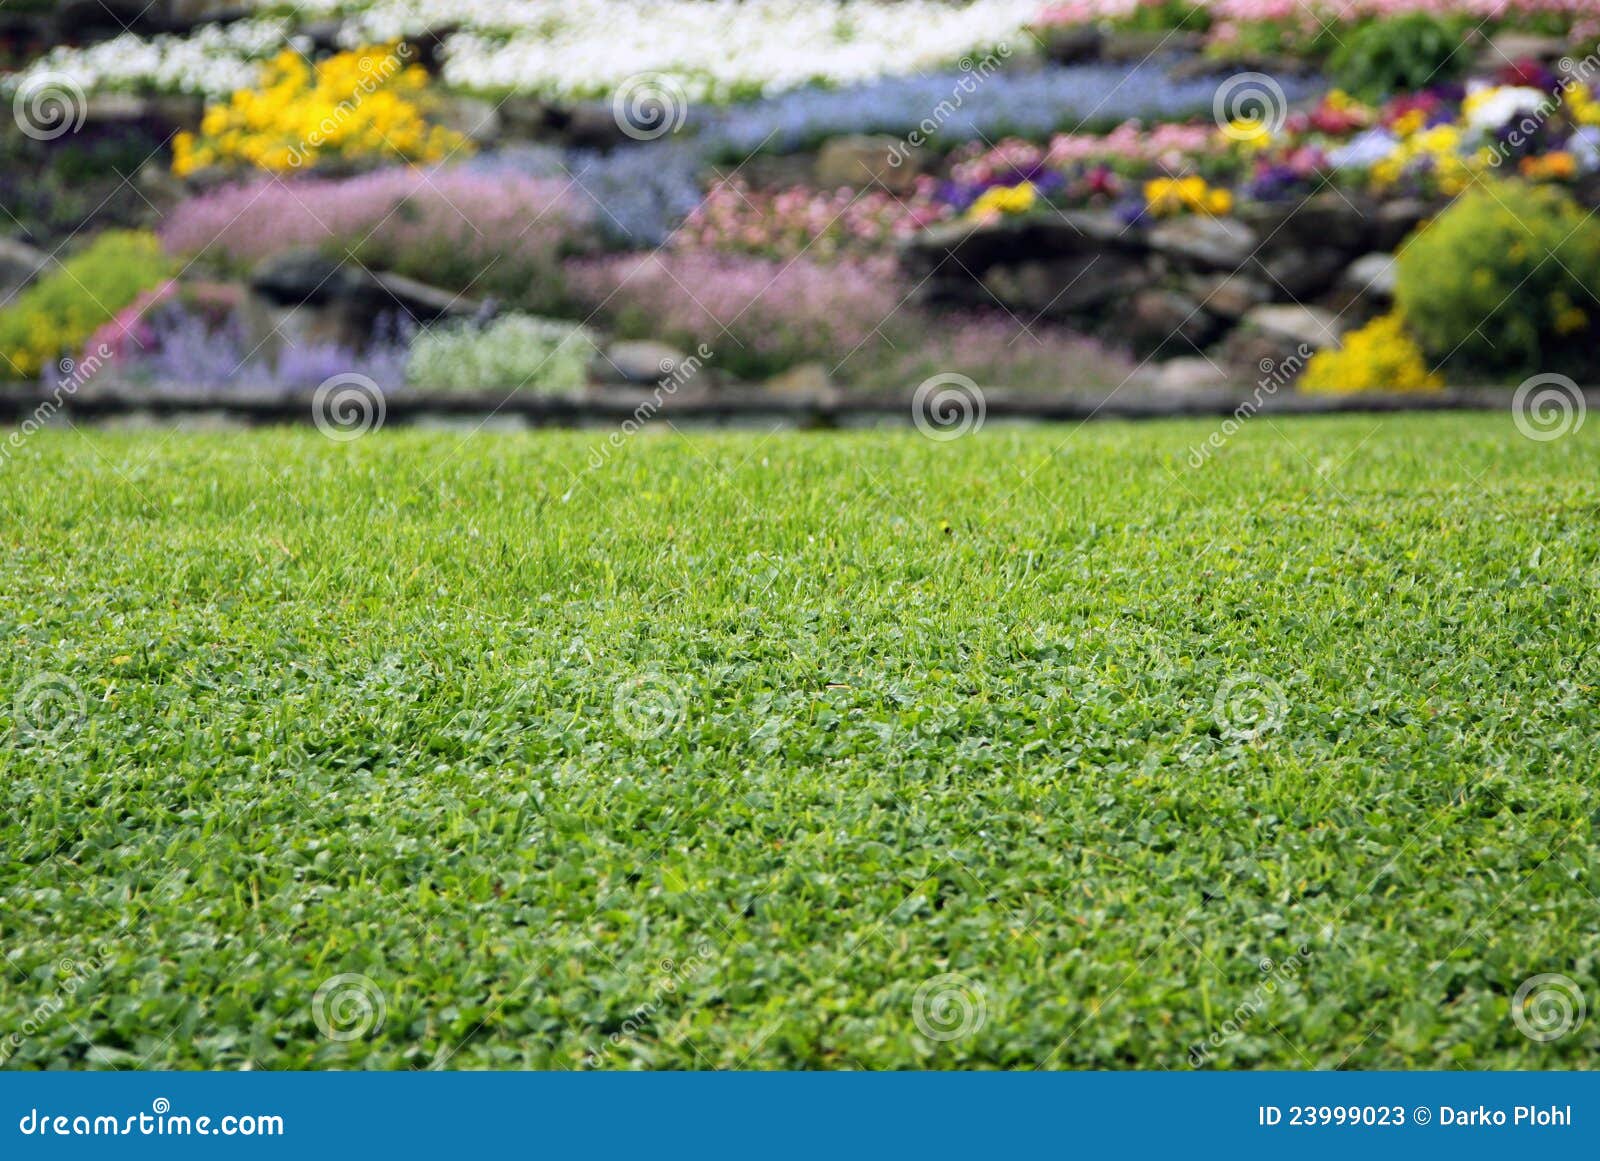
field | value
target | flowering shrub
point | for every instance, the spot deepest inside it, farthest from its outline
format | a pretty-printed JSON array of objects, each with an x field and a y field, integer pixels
[
  {"x": 1505, "y": 281},
  {"x": 516, "y": 352},
  {"x": 1317, "y": 26},
  {"x": 713, "y": 50},
  {"x": 1406, "y": 52},
  {"x": 636, "y": 194},
  {"x": 758, "y": 315},
  {"x": 58, "y": 313},
  {"x": 733, "y": 218},
  {"x": 184, "y": 350},
  {"x": 998, "y": 352},
  {"x": 132, "y": 330},
  {"x": 1380, "y": 356},
  {"x": 1174, "y": 195},
  {"x": 1000, "y": 200},
  {"x": 938, "y": 109},
  {"x": 1130, "y": 146},
  {"x": 358, "y": 106},
  {"x": 482, "y": 234}
]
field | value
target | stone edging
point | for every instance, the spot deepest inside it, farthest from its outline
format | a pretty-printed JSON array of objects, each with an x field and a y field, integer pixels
[{"x": 818, "y": 409}]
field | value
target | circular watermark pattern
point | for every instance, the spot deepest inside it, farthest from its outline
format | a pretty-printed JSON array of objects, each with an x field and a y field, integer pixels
[
  {"x": 49, "y": 706},
  {"x": 647, "y": 706},
  {"x": 348, "y": 1007},
  {"x": 1248, "y": 706},
  {"x": 1248, "y": 104},
  {"x": 49, "y": 105},
  {"x": 948, "y": 406},
  {"x": 649, "y": 105},
  {"x": 1547, "y": 407},
  {"x": 1548, "y": 1006},
  {"x": 948, "y": 1007},
  {"x": 347, "y": 407}
]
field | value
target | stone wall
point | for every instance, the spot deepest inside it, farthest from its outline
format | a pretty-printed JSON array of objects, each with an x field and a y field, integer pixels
[{"x": 1256, "y": 285}]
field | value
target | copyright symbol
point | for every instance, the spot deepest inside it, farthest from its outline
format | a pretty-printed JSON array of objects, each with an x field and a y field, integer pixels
[{"x": 1421, "y": 1115}]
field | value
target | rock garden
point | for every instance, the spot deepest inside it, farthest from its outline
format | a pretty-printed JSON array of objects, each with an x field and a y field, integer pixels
[{"x": 526, "y": 204}]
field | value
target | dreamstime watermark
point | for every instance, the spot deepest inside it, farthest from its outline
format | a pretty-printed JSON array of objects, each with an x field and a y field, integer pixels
[
  {"x": 1248, "y": 104},
  {"x": 949, "y": 1006},
  {"x": 348, "y": 406},
  {"x": 49, "y": 105},
  {"x": 974, "y": 73},
  {"x": 160, "y": 1121},
  {"x": 671, "y": 975},
  {"x": 1548, "y": 1006},
  {"x": 71, "y": 975},
  {"x": 648, "y": 705},
  {"x": 377, "y": 72},
  {"x": 675, "y": 374},
  {"x": 73, "y": 374},
  {"x": 49, "y": 707},
  {"x": 1274, "y": 974},
  {"x": 1547, "y": 407},
  {"x": 948, "y": 406},
  {"x": 649, "y": 105},
  {"x": 1249, "y": 706},
  {"x": 348, "y": 1007},
  {"x": 1275, "y": 375}
]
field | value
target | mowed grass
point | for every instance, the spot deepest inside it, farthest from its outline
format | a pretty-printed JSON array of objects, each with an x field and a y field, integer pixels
[{"x": 716, "y": 754}]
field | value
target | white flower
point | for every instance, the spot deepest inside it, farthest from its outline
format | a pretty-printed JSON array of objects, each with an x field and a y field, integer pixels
[
  {"x": 1364, "y": 149},
  {"x": 714, "y": 49},
  {"x": 1489, "y": 109}
]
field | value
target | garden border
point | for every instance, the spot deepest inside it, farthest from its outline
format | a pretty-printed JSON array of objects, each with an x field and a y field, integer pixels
[{"x": 598, "y": 406}]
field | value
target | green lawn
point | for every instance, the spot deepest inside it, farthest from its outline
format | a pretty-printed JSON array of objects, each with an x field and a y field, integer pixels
[{"x": 716, "y": 754}]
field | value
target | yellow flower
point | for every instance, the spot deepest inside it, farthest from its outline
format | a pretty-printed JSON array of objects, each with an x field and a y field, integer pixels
[
  {"x": 1380, "y": 356},
  {"x": 360, "y": 105},
  {"x": 1252, "y": 134},
  {"x": 1015, "y": 199}
]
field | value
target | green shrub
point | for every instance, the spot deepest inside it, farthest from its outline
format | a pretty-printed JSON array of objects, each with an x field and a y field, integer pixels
[
  {"x": 1400, "y": 53},
  {"x": 1504, "y": 282},
  {"x": 57, "y": 314},
  {"x": 514, "y": 352}
]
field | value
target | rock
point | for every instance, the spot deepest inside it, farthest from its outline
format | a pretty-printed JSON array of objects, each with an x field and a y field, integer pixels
[
  {"x": 524, "y": 117},
  {"x": 387, "y": 293},
  {"x": 968, "y": 248},
  {"x": 860, "y": 161},
  {"x": 1132, "y": 44},
  {"x": 1310, "y": 326},
  {"x": 475, "y": 119},
  {"x": 1220, "y": 243},
  {"x": 806, "y": 379},
  {"x": 1370, "y": 276},
  {"x": 635, "y": 364},
  {"x": 1207, "y": 65},
  {"x": 1229, "y": 296},
  {"x": 20, "y": 264},
  {"x": 1509, "y": 48},
  {"x": 1301, "y": 273},
  {"x": 1324, "y": 220},
  {"x": 426, "y": 48},
  {"x": 587, "y": 126},
  {"x": 302, "y": 276},
  {"x": 1073, "y": 43},
  {"x": 1395, "y": 220},
  {"x": 1191, "y": 373},
  {"x": 1157, "y": 322},
  {"x": 94, "y": 19},
  {"x": 1065, "y": 287},
  {"x": 303, "y": 296}
]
